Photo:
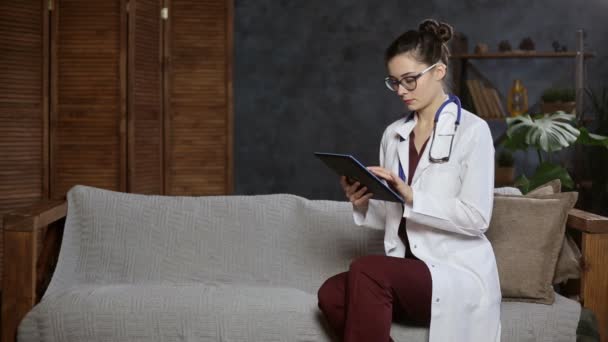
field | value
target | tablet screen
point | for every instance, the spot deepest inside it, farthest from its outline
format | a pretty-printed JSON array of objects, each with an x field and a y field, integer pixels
[{"x": 348, "y": 166}]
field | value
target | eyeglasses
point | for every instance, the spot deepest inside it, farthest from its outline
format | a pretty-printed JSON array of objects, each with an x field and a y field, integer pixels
[{"x": 408, "y": 82}]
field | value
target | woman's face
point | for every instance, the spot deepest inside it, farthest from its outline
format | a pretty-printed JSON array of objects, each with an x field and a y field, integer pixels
[{"x": 428, "y": 86}]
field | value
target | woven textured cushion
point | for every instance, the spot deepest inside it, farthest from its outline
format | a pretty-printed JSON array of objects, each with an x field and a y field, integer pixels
[
  {"x": 569, "y": 260},
  {"x": 549, "y": 188},
  {"x": 527, "y": 235}
]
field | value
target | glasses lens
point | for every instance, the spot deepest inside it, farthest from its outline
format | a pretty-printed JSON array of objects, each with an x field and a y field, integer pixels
[
  {"x": 409, "y": 83},
  {"x": 391, "y": 83}
]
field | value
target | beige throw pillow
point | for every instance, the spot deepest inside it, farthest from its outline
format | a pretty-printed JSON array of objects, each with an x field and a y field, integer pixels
[
  {"x": 550, "y": 188},
  {"x": 527, "y": 234},
  {"x": 569, "y": 260}
]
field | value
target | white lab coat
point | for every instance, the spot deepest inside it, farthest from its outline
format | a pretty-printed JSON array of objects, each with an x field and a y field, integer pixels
[{"x": 446, "y": 224}]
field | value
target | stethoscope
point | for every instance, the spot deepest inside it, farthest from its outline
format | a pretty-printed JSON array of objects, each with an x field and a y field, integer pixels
[{"x": 451, "y": 98}]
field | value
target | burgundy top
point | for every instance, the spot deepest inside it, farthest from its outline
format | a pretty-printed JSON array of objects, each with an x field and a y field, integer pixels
[{"x": 414, "y": 158}]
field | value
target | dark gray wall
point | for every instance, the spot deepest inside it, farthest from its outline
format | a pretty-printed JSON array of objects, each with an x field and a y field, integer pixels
[{"x": 308, "y": 75}]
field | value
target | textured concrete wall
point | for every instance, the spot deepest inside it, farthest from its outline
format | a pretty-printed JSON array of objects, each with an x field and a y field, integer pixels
[{"x": 309, "y": 75}]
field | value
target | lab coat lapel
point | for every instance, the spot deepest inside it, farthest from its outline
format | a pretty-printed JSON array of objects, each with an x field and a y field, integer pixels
[
  {"x": 424, "y": 161},
  {"x": 403, "y": 147}
]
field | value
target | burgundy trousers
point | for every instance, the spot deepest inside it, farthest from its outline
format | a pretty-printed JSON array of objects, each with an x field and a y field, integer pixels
[{"x": 359, "y": 304}]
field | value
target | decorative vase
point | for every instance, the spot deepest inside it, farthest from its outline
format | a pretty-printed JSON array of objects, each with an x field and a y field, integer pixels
[{"x": 517, "y": 102}]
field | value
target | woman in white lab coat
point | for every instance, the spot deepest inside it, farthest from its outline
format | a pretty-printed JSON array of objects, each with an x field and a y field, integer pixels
[{"x": 439, "y": 269}]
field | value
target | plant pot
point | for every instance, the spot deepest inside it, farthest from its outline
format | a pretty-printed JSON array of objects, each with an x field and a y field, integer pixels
[
  {"x": 552, "y": 107},
  {"x": 504, "y": 176}
]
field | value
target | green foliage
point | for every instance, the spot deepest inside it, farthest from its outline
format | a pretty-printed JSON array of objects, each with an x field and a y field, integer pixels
[
  {"x": 544, "y": 173},
  {"x": 550, "y": 132},
  {"x": 590, "y": 139},
  {"x": 558, "y": 94},
  {"x": 547, "y": 133}
]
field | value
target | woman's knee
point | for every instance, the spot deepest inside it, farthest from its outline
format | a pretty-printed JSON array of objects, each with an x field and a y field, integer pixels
[{"x": 331, "y": 291}]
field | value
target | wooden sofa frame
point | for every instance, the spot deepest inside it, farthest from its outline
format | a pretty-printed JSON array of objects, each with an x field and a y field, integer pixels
[{"x": 32, "y": 238}]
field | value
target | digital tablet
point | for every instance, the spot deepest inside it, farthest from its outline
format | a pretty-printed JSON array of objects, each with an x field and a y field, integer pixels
[{"x": 349, "y": 166}]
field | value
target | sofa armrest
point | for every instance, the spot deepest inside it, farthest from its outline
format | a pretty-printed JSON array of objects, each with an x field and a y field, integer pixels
[
  {"x": 25, "y": 262},
  {"x": 587, "y": 222},
  {"x": 594, "y": 276},
  {"x": 35, "y": 217}
]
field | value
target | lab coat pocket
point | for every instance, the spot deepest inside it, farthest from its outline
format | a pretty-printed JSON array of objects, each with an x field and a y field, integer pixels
[
  {"x": 442, "y": 179},
  {"x": 441, "y": 146}
]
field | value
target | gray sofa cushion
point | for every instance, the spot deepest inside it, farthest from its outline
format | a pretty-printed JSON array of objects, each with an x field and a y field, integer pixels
[
  {"x": 222, "y": 312},
  {"x": 176, "y": 312}
]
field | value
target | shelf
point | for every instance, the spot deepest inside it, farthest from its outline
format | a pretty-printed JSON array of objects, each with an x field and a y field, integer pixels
[
  {"x": 493, "y": 119},
  {"x": 503, "y": 119},
  {"x": 520, "y": 54},
  {"x": 463, "y": 64}
]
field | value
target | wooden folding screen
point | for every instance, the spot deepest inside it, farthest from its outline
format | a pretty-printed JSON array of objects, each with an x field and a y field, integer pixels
[
  {"x": 199, "y": 109},
  {"x": 145, "y": 97},
  {"x": 127, "y": 95},
  {"x": 23, "y": 105},
  {"x": 88, "y": 93}
]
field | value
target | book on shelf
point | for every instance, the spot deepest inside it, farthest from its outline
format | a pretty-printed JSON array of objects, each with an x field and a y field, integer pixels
[
  {"x": 472, "y": 87},
  {"x": 485, "y": 99}
]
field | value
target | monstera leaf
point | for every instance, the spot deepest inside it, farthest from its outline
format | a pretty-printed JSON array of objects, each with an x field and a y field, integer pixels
[
  {"x": 590, "y": 139},
  {"x": 549, "y": 133}
]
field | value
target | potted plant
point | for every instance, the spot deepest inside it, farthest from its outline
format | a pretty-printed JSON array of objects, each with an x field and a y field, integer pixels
[
  {"x": 547, "y": 134},
  {"x": 505, "y": 170},
  {"x": 558, "y": 99}
]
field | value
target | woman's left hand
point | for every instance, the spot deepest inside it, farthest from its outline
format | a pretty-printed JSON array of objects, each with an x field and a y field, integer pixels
[{"x": 394, "y": 181}]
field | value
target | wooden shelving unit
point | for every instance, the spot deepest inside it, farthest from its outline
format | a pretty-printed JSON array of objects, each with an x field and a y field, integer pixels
[
  {"x": 461, "y": 63},
  {"x": 515, "y": 55}
]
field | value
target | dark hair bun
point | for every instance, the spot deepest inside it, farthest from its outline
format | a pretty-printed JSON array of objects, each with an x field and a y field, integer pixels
[{"x": 442, "y": 31}]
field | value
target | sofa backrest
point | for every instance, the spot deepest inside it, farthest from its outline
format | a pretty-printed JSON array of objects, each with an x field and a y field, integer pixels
[{"x": 274, "y": 240}]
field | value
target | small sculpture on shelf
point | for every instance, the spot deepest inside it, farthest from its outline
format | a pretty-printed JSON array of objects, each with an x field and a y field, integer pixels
[
  {"x": 481, "y": 48},
  {"x": 504, "y": 46},
  {"x": 527, "y": 44},
  {"x": 557, "y": 47}
]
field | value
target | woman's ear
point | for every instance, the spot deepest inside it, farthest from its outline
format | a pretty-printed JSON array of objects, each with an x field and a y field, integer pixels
[{"x": 440, "y": 72}]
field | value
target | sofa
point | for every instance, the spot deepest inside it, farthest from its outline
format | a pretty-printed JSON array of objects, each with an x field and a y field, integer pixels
[{"x": 222, "y": 268}]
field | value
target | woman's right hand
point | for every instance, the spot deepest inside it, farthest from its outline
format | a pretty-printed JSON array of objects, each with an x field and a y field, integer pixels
[{"x": 356, "y": 196}]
